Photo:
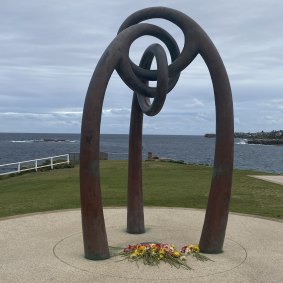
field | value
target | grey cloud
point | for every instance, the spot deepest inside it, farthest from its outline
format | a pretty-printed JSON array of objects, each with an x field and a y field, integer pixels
[
  {"x": 116, "y": 111},
  {"x": 39, "y": 122},
  {"x": 49, "y": 49}
]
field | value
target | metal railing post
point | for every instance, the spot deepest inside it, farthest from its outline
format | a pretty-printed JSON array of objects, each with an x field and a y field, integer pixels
[
  {"x": 19, "y": 167},
  {"x": 51, "y": 163},
  {"x": 35, "y": 165},
  {"x": 68, "y": 158}
]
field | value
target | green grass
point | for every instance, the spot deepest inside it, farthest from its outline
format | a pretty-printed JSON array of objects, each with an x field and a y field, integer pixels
[{"x": 165, "y": 184}]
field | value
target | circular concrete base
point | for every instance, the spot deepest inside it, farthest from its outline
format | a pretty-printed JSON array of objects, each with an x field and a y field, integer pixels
[
  {"x": 48, "y": 247},
  {"x": 69, "y": 250}
]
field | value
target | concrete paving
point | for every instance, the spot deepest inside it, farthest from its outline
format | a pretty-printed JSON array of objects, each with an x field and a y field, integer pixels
[
  {"x": 48, "y": 247},
  {"x": 273, "y": 179}
]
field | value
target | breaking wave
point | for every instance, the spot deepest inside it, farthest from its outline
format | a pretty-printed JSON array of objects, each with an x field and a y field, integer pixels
[
  {"x": 242, "y": 141},
  {"x": 45, "y": 140}
]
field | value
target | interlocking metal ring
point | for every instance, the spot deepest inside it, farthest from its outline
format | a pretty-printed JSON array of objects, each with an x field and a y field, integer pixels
[
  {"x": 133, "y": 75},
  {"x": 158, "y": 52}
]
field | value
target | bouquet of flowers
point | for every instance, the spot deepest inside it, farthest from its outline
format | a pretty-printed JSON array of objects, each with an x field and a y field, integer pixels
[
  {"x": 154, "y": 253},
  {"x": 194, "y": 251}
]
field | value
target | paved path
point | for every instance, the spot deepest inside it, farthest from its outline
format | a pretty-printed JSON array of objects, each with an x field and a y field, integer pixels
[
  {"x": 272, "y": 179},
  {"x": 48, "y": 247}
]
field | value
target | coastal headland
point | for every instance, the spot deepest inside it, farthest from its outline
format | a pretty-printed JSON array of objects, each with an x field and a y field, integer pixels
[{"x": 265, "y": 138}]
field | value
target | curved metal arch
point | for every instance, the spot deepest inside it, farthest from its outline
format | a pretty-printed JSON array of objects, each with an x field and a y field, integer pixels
[{"x": 116, "y": 57}]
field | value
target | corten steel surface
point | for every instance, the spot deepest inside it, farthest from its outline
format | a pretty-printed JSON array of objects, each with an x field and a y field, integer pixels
[{"x": 116, "y": 57}]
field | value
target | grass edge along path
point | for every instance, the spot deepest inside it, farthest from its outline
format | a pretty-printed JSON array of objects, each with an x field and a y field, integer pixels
[{"x": 165, "y": 184}]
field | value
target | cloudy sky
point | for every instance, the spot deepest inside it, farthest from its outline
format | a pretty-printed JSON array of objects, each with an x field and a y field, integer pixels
[{"x": 49, "y": 49}]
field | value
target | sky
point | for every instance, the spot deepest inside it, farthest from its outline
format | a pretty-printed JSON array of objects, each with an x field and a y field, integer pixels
[{"x": 49, "y": 50}]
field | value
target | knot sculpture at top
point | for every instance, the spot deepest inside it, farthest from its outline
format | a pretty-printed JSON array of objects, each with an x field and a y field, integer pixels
[{"x": 116, "y": 57}]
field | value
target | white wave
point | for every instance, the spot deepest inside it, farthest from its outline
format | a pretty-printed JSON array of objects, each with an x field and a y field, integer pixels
[
  {"x": 23, "y": 141},
  {"x": 44, "y": 140},
  {"x": 243, "y": 141}
]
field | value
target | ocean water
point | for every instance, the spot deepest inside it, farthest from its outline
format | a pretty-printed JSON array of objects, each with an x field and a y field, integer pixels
[{"x": 16, "y": 147}]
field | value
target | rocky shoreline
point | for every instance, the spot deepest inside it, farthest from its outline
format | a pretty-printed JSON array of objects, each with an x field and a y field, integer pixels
[
  {"x": 265, "y": 141},
  {"x": 264, "y": 138}
]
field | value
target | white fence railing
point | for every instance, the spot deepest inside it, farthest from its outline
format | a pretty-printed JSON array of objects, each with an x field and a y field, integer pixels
[{"x": 35, "y": 164}]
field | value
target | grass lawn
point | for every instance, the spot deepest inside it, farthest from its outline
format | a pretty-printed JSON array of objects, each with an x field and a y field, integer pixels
[{"x": 165, "y": 184}]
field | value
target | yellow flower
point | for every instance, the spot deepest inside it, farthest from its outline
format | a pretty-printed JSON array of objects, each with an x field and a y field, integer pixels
[
  {"x": 162, "y": 251},
  {"x": 194, "y": 248},
  {"x": 141, "y": 249},
  {"x": 134, "y": 255},
  {"x": 197, "y": 249},
  {"x": 176, "y": 254}
]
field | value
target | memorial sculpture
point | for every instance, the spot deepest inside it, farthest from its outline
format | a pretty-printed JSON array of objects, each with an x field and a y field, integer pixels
[{"x": 116, "y": 57}]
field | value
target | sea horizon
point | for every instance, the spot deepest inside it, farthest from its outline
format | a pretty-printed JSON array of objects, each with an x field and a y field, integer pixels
[{"x": 192, "y": 149}]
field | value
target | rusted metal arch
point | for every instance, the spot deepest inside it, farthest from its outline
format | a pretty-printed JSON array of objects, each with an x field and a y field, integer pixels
[{"x": 116, "y": 57}]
